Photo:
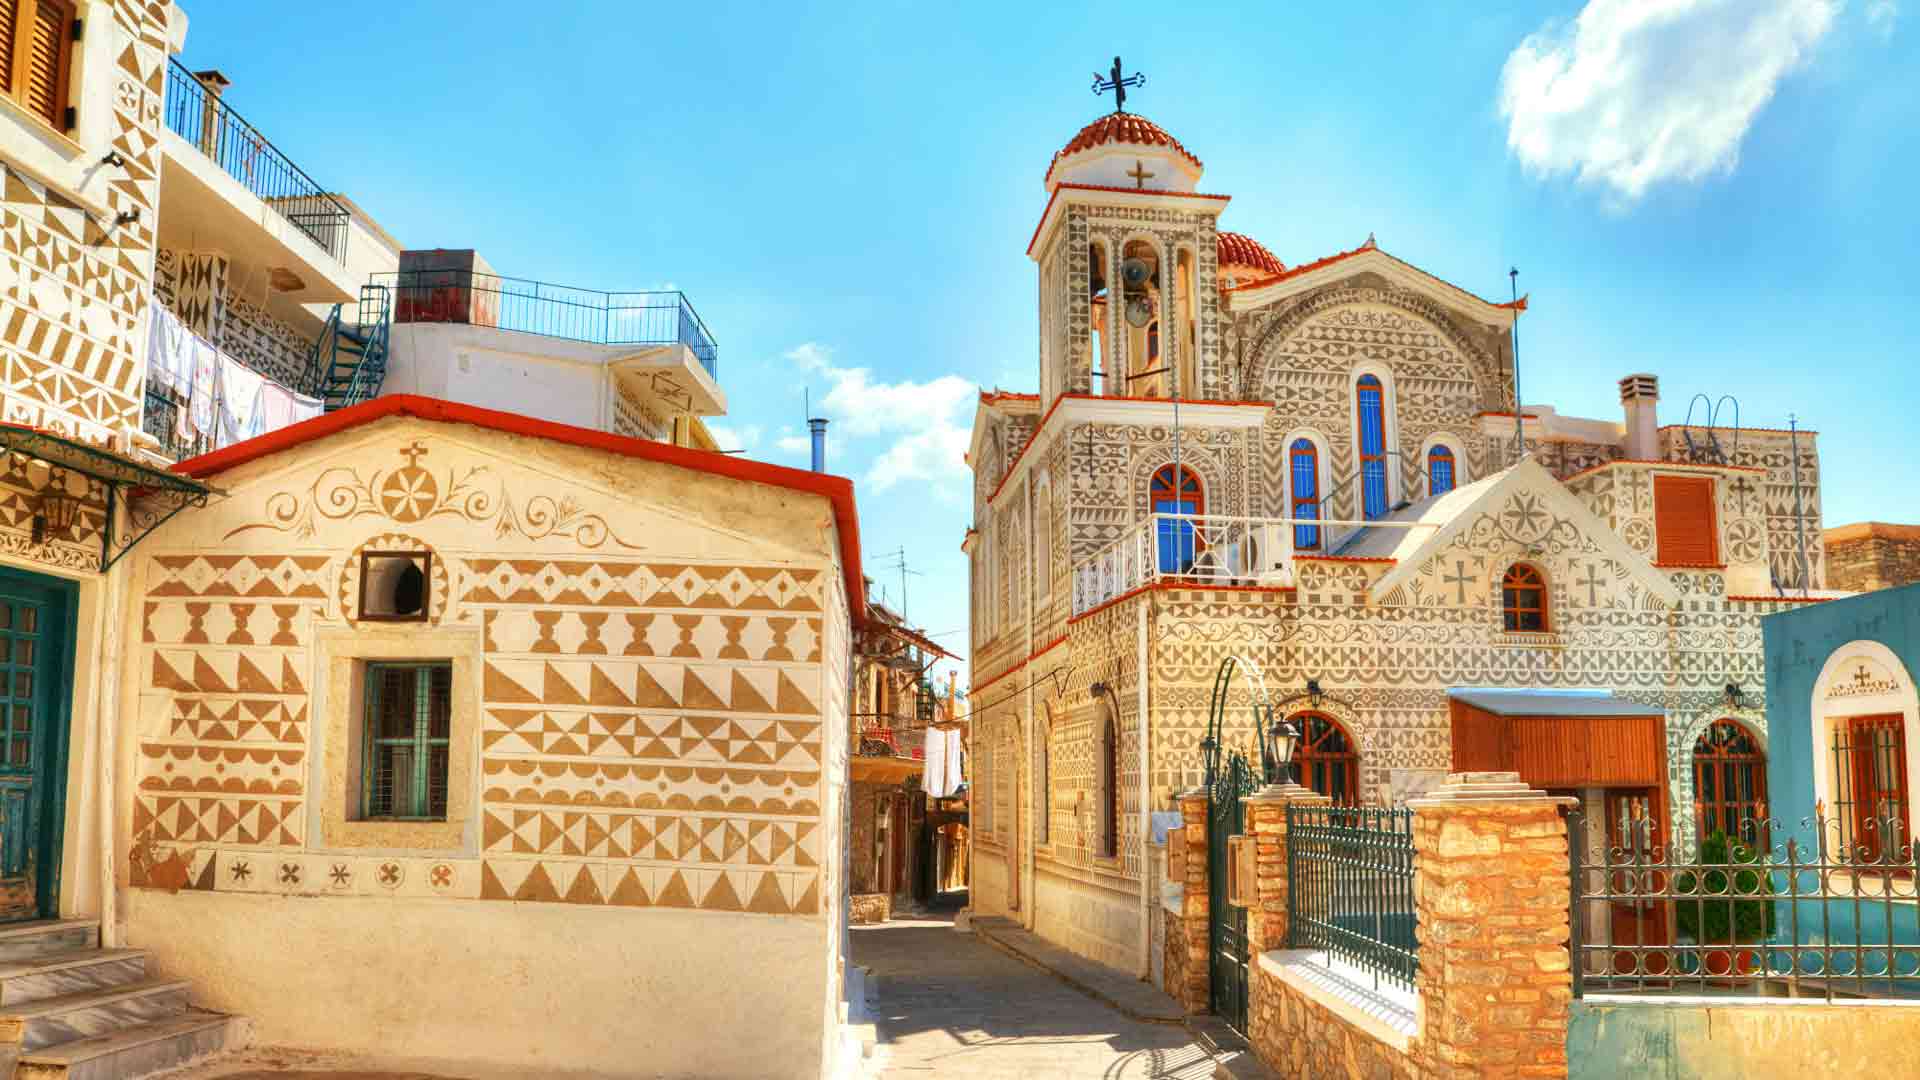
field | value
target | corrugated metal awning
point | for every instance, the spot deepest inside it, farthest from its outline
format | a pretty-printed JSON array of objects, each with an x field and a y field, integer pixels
[{"x": 1507, "y": 702}]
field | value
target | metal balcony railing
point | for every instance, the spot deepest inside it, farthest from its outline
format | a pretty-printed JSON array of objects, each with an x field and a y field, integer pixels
[
  {"x": 560, "y": 311},
  {"x": 1206, "y": 549},
  {"x": 209, "y": 123},
  {"x": 889, "y": 735}
]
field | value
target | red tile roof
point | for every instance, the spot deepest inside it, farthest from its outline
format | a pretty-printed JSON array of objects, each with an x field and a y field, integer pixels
[
  {"x": 837, "y": 490},
  {"x": 1130, "y": 129},
  {"x": 1237, "y": 249}
]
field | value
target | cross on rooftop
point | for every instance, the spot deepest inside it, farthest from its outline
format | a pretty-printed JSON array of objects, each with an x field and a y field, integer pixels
[{"x": 1117, "y": 81}]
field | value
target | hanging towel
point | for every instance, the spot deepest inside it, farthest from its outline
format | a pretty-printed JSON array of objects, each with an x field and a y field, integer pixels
[
  {"x": 306, "y": 408},
  {"x": 239, "y": 393},
  {"x": 935, "y": 771},
  {"x": 196, "y": 420},
  {"x": 169, "y": 353},
  {"x": 272, "y": 410}
]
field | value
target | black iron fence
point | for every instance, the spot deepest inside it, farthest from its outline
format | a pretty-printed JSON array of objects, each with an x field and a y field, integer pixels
[
  {"x": 1827, "y": 909},
  {"x": 1350, "y": 888},
  {"x": 202, "y": 118},
  {"x": 159, "y": 419},
  {"x": 561, "y": 311}
]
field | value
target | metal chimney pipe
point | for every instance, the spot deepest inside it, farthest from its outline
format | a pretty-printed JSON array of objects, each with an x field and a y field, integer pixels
[{"x": 818, "y": 426}]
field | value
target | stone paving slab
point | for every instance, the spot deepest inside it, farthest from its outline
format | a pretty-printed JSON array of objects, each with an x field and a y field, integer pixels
[
  {"x": 1134, "y": 998},
  {"x": 948, "y": 1004}
]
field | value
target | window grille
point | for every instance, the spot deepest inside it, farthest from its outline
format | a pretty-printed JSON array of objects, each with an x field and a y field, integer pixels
[
  {"x": 1305, "y": 460},
  {"x": 1729, "y": 783},
  {"x": 1523, "y": 599},
  {"x": 409, "y": 713},
  {"x": 1371, "y": 400},
  {"x": 1439, "y": 470}
]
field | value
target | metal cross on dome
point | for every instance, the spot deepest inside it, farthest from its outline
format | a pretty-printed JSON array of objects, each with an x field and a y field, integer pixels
[{"x": 1117, "y": 82}]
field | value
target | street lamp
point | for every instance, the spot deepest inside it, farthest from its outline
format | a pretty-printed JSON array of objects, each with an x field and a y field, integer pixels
[
  {"x": 1282, "y": 739},
  {"x": 1314, "y": 696}
]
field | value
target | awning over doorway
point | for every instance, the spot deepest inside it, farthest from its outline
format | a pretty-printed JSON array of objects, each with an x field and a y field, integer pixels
[
  {"x": 162, "y": 493},
  {"x": 1559, "y": 739}
]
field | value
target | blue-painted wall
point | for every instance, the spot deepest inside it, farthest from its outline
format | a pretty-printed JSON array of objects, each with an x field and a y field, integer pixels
[{"x": 1798, "y": 644}]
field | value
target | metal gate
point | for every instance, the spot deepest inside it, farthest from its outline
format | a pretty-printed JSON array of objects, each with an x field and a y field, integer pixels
[
  {"x": 1226, "y": 923},
  {"x": 1230, "y": 778}
]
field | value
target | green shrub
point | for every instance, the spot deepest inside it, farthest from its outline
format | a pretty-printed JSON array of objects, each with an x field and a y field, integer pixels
[{"x": 1710, "y": 908}]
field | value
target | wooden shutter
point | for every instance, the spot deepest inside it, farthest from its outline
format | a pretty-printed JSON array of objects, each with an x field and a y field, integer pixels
[
  {"x": 39, "y": 34},
  {"x": 1684, "y": 519},
  {"x": 9, "y": 20}
]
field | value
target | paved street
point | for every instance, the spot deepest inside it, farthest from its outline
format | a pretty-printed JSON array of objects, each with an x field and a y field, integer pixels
[{"x": 948, "y": 1004}]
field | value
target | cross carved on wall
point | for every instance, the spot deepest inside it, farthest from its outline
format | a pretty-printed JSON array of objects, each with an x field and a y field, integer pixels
[
  {"x": 1593, "y": 581},
  {"x": 1140, "y": 174},
  {"x": 1459, "y": 579}
]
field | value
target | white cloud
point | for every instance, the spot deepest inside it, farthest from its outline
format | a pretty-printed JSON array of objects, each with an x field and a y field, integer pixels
[
  {"x": 728, "y": 437},
  {"x": 923, "y": 420},
  {"x": 790, "y": 443},
  {"x": 1638, "y": 92},
  {"x": 1881, "y": 15}
]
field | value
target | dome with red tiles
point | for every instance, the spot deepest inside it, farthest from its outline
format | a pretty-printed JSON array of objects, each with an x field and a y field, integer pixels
[
  {"x": 1115, "y": 136},
  {"x": 1244, "y": 253}
]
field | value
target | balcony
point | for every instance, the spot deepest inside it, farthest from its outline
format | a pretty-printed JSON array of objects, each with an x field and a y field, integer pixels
[
  {"x": 591, "y": 316},
  {"x": 1207, "y": 549},
  {"x": 228, "y": 188}
]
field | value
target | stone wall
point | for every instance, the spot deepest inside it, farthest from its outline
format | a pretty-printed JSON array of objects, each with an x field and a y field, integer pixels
[
  {"x": 867, "y": 908},
  {"x": 1176, "y": 956},
  {"x": 1314, "y": 1043},
  {"x": 1872, "y": 555},
  {"x": 1188, "y": 934},
  {"x": 864, "y": 876}
]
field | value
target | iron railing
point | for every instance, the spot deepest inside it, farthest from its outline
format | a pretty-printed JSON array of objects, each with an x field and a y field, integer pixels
[
  {"x": 158, "y": 418},
  {"x": 1350, "y": 888},
  {"x": 1824, "y": 910},
  {"x": 210, "y": 124},
  {"x": 890, "y": 735},
  {"x": 1203, "y": 549},
  {"x": 560, "y": 311}
]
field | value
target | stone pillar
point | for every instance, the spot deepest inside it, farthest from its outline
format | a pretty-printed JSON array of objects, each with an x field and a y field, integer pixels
[
  {"x": 1187, "y": 981},
  {"x": 1491, "y": 906},
  {"x": 1267, "y": 824}
]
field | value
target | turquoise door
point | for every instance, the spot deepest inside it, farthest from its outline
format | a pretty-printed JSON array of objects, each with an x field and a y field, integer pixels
[{"x": 36, "y": 674}]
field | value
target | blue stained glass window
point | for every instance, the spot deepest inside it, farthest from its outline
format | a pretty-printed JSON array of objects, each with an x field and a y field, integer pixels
[
  {"x": 1373, "y": 447},
  {"x": 1439, "y": 470},
  {"x": 1173, "y": 539},
  {"x": 1305, "y": 463}
]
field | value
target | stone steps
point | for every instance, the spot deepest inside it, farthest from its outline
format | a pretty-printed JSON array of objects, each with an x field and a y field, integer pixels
[{"x": 69, "y": 1008}]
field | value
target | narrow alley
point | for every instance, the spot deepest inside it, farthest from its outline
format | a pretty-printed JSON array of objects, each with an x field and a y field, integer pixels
[{"x": 947, "y": 1003}]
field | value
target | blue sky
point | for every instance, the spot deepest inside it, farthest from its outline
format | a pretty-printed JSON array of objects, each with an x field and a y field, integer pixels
[{"x": 1722, "y": 194}]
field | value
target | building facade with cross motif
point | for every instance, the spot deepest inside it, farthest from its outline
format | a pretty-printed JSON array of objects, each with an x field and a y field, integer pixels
[{"x": 1318, "y": 469}]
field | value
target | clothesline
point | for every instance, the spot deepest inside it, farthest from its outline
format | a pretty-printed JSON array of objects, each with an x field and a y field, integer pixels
[{"x": 223, "y": 400}]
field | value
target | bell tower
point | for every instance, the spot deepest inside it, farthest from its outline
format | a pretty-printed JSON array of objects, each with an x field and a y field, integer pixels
[{"x": 1126, "y": 250}]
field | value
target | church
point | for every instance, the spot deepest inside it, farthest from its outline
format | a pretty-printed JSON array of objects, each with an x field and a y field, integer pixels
[{"x": 1321, "y": 470}]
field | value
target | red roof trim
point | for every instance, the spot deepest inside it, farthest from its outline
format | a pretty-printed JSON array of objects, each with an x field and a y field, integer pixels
[
  {"x": 1176, "y": 586},
  {"x": 1307, "y": 268},
  {"x": 1345, "y": 558},
  {"x": 1782, "y": 599},
  {"x": 838, "y": 490},
  {"x": 998, "y": 396},
  {"x": 1043, "y": 650},
  {"x": 1767, "y": 430},
  {"x": 1689, "y": 566},
  {"x": 1058, "y": 188}
]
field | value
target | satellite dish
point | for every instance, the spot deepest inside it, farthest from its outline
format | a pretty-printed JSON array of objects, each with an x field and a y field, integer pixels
[
  {"x": 1135, "y": 272},
  {"x": 1139, "y": 311}
]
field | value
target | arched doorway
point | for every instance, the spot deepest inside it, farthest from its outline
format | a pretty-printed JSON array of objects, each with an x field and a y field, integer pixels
[
  {"x": 1328, "y": 758},
  {"x": 1729, "y": 782}
]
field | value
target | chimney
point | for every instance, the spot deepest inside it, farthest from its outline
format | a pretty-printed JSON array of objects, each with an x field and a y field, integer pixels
[
  {"x": 1639, "y": 396},
  {"x": 818, "y": 426}
]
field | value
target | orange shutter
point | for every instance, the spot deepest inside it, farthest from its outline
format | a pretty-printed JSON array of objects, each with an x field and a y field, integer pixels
[
  {"x": 1683, "y": 518},
  {"x": 43, "y": 61},
  {"x": 9, "y": 18}
]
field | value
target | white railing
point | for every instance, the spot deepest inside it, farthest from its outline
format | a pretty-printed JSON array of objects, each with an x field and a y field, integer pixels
[{"x": 1203, "y": 549}]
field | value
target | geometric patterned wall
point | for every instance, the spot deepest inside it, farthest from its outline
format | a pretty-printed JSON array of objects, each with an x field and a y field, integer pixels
[{"x": 650, "y": 726}]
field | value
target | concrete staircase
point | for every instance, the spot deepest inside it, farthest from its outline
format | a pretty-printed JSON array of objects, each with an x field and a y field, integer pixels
[{"x": 72, "y": 1010}]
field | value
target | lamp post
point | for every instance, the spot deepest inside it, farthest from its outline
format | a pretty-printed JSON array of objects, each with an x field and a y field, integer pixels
[{"x": 1282, "y": 738}]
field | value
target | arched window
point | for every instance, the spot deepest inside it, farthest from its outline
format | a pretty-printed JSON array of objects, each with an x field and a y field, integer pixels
[
  {"x": 1372, "y": 415},
  {"x": 1440, "y": 470},
  {"x": 1729, "y": 781},
  {"x": 1109, "y": 786},
  {"x": 1043, "y": 779},
  {"x": 1043, "y": 543},
  {"x": 1326, "y": 757},
  {"x": 1153, "y": 344},
  {"x": 1523, "y": 598},
  {"x": 1174, "y": 539},
  {"x": 1304, "y": 463}
]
